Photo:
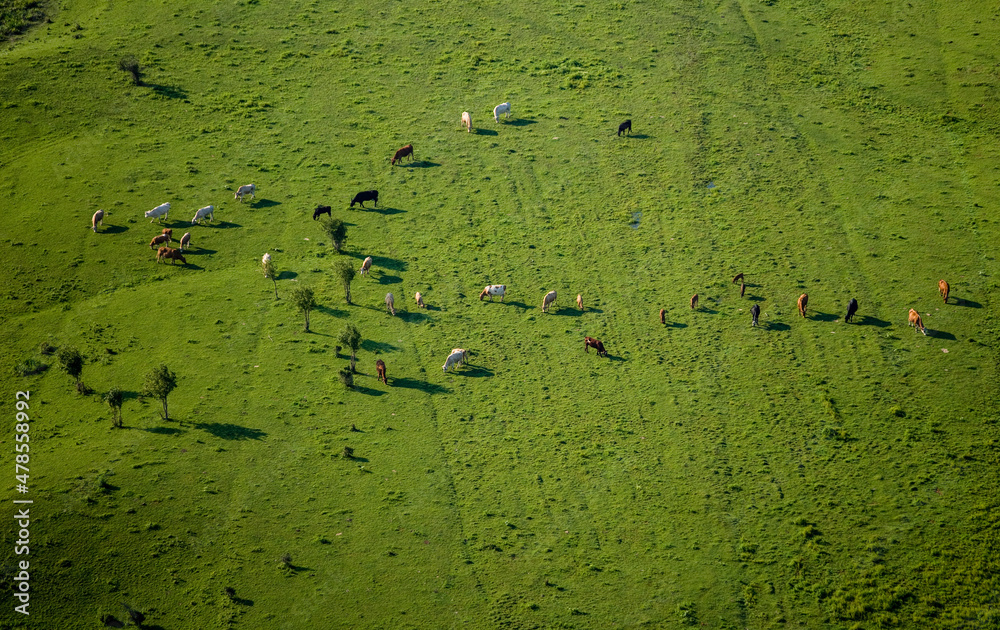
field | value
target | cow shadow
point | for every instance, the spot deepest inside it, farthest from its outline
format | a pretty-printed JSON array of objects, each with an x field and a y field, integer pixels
[
  {"x": 383, "y": 262},
  {"x": 378, "y": 346},
  {"x": 415, "y": 317},
  {"x": 229, "y": 431},
  {"x": 287, "y": 275},
  {"x": 639, "y": 136},
  {"x": 968, "y": 303},
  {"x": 190, "y": 266},
  {"x": 112, "y": 229},
  {"x": 589, "y": 309},
  {"x": 367, "y": 391},
  {"x": 385, "y": 210},
  {"x": 221, "y": 225},
  {"x": 199, "y": 251},
  {"x": 387, "y": 279},
  {"x": 168, "y": 91},
  {"x": 484, "y": 132},
  {"x": 521, "y": 122},
  {"x": 823, "y": 317},
  {"x": 777, "y": 326},
  {"x": 614, "y": 357},
  {"x": 423, "y": 164},
  {"x": 755, "y": 298},
  {"x": 520, "y": 305},
  {"x": 264, "y": 203},
  {"x": 475, "y": 371},
  {"x": 424, "y": 386},
  {"x": 868, "y": 320},
  {"x": 940, "y": 334},
  {"x": 569, "y": 312},
  {"x": 702, "y": 309},
  {"x": 675, "y": 325}
]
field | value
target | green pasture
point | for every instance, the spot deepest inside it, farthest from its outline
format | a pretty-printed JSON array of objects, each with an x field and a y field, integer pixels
[{"x": 806, "y": 473}]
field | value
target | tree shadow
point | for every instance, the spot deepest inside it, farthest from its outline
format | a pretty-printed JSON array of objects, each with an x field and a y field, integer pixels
[
  {"x": 264, "y": 203},
  {"x": 940, "y": 334},
  {"x": 409, "y": 317},
  {"x": 968, "y": 303},
  {"x": 112, "y": 229},
  {"x": 387, "y": 279},
  {"x": 239, "y": 600},
  {"x": 423, "y": 164},
  {"x": 161, "y": 430},
  {"x": 521, "y": 122},
  {"x": 776, "y": 326},
  {"x": 332, "y": 312},
  {"x": 823, "y": 317},
  {"x": 287, "y": 275},
  {"x": 424, "y": 386},
  {"x": 377, "y": 346},
  {"x": 168, "y": 91},
  {"x": 229, "y": 431},
  {"x": 368, "y": 391},
  {"x": 868, "y": 320}
]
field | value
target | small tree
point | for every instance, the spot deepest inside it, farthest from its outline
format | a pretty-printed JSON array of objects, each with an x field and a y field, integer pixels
[
  {"x": 71, "y": 361},
  {"x": 303, "y": 299},
  {"x": 270, "y": 271},
  {"x": 336, "y": 231},
  {"x": 346, "y": 271},
  {"x": 352, "y": 339},
  {"x": 130, "y": 64},
  {"x": 115, "y": 397},
  {"x": 159, "y": 383}
]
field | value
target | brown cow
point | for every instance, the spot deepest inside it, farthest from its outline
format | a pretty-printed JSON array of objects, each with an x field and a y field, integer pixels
[
  {"x": 663, "y": 316},
  {"x": 168, "y": 232},
  {"x": 694, "y": 301},
  {"x": 590, "y": 342},
  {"x": 803, "y": 302},
  {"x": 916, "y": 322},
  {"x": 743, "y": 289},
  {"x": 172, "y": 254},
  {"x": 186, "y": 241},
  {"x": 943, "y": 289},
  {"x": 737, "y": 278},
  {"x": 402, "y": 153},
  {"x": 162, "y": 239},
  {"x": 380, "y": 368}
]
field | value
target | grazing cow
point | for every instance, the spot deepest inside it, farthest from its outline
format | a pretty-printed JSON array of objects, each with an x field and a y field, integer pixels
[
  {"x": 246, "y": 189},
  {"x": 420, "y": 300},
  {"x": 467, "y": 121},
  {"x": 402, "y": 153},
  {"x": 157, "y": 212},
  {"x": 663, "y": 316},
  {"x": 803, "y": 302},
  {"x": 625, "y": 126},
  {"x": 457, "y": 357},
  {"x": 207, "y": 211},
  {"x": 321, "y": 210},
  {"x": 943, "y": 289},
  {"x": 97, "y": 219},
  {"x": 186, "y": 241},
  {"x": 365, "y": 195},
  {"x": 172, "y": 254},
  {"x": 169, "y": 232},
  {"x": 916, "y": 322},
  {"x": 548, "y": 300},
  {"x": 389, "y": 304},
  {"x": 366, "y": 266},
  {"x": 590, "y": 342},
  {"x": 579, "y": 301},
  {"x": 380, "y": 368},
  {"x": 502, "y": 108},
  {"x": 738, "y": 278},
  {"x": 694, "y": 301},
  {"x": 743, "y": 289},
  {"x": 754, "y": 314},
  {"x": 493, "y": 289},
  {"x": 852, "y": 308},
  {"x": 160, "y": 239}
]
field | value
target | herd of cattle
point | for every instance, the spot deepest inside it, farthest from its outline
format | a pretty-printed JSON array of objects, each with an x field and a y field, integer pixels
[{"x": 458, "y": 356}]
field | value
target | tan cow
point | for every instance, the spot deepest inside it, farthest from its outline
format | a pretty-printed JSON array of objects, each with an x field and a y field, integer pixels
[
  {"x": 548, "y": 300},
  {"x": 366, "y": 266},
  {"x": 467, "y": 121},
  {"x": 420, "y": 300},
  {"x": 579, "y": 301},
  {"x": 390, "y": 303},
  {"x": 803, "y": 302},
  {"x": 162, "y": 239},
  {"x": 916, "y": 322},
  {"x": 943, "y": 289},
  {"x": 98, "y": 219}
]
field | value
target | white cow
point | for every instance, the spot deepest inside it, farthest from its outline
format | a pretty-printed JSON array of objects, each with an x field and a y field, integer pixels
[
  {"x": 246, "y": 189},
  {"x": 502, "y": 108},
  {"x": 390, "y": 303},
  {"x": 493, "y": 289},
  {"x": 457, "y": 357},
  {"x": 97, "y": 219},
  {"x": 366, "y": 266},
  {"x": 467, "y": 121},
  {"x": 548, "y": 301},
  {"x": 157, "y": 212},
  {"x": 207, "y": 211},
  {"x": 186, "y": 241}
]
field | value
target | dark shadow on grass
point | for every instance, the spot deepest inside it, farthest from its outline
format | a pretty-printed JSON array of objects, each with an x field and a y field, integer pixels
[
  {"x": 521, "y": 122},
  {"x": 475, "y": 371},
  {"x": 238, "y": 600},
  {"x": 264, "y": 203},
  {"x": 229, "y": 431},
  {"x": 639, "y": 136},
  {"x": 199, "y": 251},
  {"x": 702, "y": 309},
  {"x": 423, "y": 164},
  {"x": 332, "y": 312},
  {"x": 675, "y": 325},
  {"x": 520, "y": 305},
  {"x": 361, "y": 389},
  {"x": 388, "y": 279},
  {"x": 823, "y": 317},
  {"x": 386, "y": 211},
  {"x": 776, "y": 326},
  {"x": 113, "y": 229},
  {"x": 162, "y": 430},
  {"x": 377, "y": 346},
  {"x": 169, "y": 91},
  {"x": 484, "y": 132},
  {"x": 569, "y": 312},
  {"x": 221, "y": 225},
  {"x": 287, "y": 275},
  {"x": 590, "y": 309},
  {"x": 755, "y": 298},
  {"x": 868, "y": 320},
  {"x": 613, "y": 357},
  {"x": 940, "y": 334},
  {"x": 968, "y": 303},
  {"x": 411, "y": 318},
  {"x": 424, "y": 386}
]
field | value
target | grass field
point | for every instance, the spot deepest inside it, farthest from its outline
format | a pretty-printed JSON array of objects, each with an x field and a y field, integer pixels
[{"x": 806, "y": 473}]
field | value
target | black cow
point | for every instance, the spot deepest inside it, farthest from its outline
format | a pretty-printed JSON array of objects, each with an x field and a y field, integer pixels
[
  {"x": 852, "y": 308},
  {"x": 320, "y": 211},
  {"x": 754, "y": 314},
  {"x": 363, "y": 196},
  {"x": 625, "y": 126}
]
